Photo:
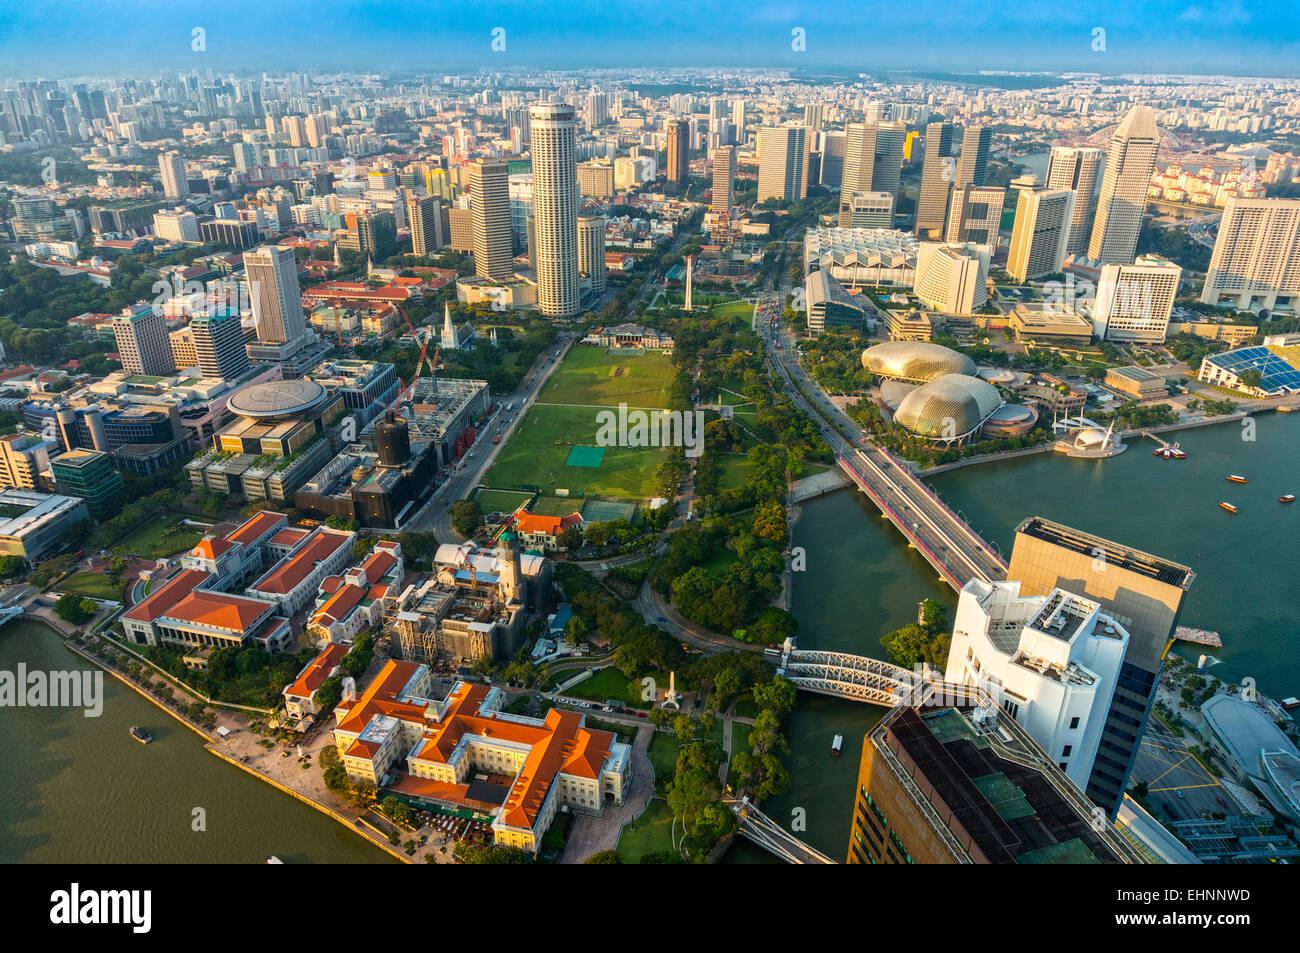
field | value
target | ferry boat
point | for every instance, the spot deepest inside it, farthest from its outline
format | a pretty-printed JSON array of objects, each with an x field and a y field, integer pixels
[
  {"x": 1229, "y": 507},
  {"x": 836, "y": 745},
  {"x": 1179, "y": 454},
  {"x": 1167, "y": 453},
  {"x": 1289, "y": 498},
  {"x": 140, "y": 735},
  {"x": 1291, "y": 703},
  {"x": 1234, "y": 478},
  {"x": 1158, "y": 452}
]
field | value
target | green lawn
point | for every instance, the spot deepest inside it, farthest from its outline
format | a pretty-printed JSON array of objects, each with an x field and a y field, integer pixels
[
  {"x": 150, "y": 541},
  {"x": 537, "y": 452},
  {"x": 610, "y": 683},
  {"x": 651, "y": 833},
  {"x": 556, "y": 505},
  {"x": 501, "y": 501},
  {"x": 95, "y": 585},
  {"x": 594, "y": 375},
  {"x": 740, "y": 310},
  {"x": 735, "y": 470}
]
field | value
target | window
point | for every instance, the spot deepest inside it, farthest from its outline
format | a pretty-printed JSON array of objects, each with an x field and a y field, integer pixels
[
  {"x": 1065, "y": 752},
  {"x": 1074, "y": 723}
]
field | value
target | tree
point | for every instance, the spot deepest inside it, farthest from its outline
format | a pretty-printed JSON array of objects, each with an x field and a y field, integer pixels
[
  {"x": 603, "y": 857},
  {"x": 73, "y": 608},
  {"x": 466, "y": 517},
  {"x": 11, "y": 566}
]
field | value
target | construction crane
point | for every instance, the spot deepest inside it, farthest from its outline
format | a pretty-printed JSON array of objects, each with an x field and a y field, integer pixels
[
  {"x": 505, "y": 525},
  {"x": 408, "y": 392}
]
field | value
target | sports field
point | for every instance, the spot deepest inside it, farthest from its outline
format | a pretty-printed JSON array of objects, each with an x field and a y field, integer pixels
[
  {"x": 501, "y": 501},
  {"x": 594, "y": 375},
  {"x": 537, "y": 454}
]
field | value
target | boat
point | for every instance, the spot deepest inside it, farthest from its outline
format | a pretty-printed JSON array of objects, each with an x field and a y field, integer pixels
[
  {"x": 1289, "y": 498},
  {"x": 274, "y": 860},
  {"x": 1229, "y": 507},
  {"x": 1234, "y": 478},
  {"x": 1285, "y": 409},
  {"x": 140, "y": 735},
  {"x": 1291, "y": 703},
  {"x": 1179, "y": 454},
  {"x": 1167, "y": 453},
  {"x": 836, "y": 745}
]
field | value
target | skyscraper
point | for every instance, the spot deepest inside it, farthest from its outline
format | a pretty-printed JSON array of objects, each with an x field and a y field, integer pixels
[
  {"x": 219, "y": 344},
  {"x": 831, "y": 172},
  {"x": 1256, "y": 257},
  {"x": 424, "y": 215},
  {"x": 1040, "y": 233},
  {"x": 782, "y": 162},
  {"x": 1123, "y": 199},
  {"x": 975, "y": 215},
  {"x": 1077, "y": 169},
  {"x": 974, "y": 160},
  {"x": 1134, "y": 302},
  {"x": 724, "y": 179},
  {"x": 1144, "y": 593},
  {"x": 555, "y": 208},
  {"x": 591, "y": 250},
  {"x": 143, "y": 343},
  {"x": 937, "y": 172},
  {"x": 489, "y": 184},
  {"x": 272, "y": 273},
  {"x": 174, "y": 183},
  {"x": 873, "y": 157},
  {"x": 679, "y": 147}
]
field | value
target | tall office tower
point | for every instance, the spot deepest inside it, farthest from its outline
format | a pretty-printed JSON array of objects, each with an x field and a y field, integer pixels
[
  {"x": 591, "y": 250},
  {"x": 975, "y": 215},
  {"x": 555, "y": 209},
  {"x": 974, "y": 160},
  {"x": 1143, "y": 593},
  {"x": 873, "y": 158},
  {"x": 867, "y": 210},
  {"x": 143, "y": 343},
  {"x": 1256, "y": 257},
  {"x": 219, "y": 344},
  {"x": 424, "y": 215},
  {"x": 272, "y": 273},
  {"x": 937, "y": 782},
  {"x": 812, "y": 117},
  {"x": 174, "y": 183},
  {"x": 295, "y": 128},
  {"x": 489, "y": 184},
  {"x": 679, "y": 146},
  {"x": 1077, "y": 169},
  {"x": 724, "y": 179},
  {"x": 1134, "y": 301},
  {"x": 834, "y": 147},
  {"x": 597, "y": 108},
  {"x": 937, "y": 171},
  {"x": 738, "y": 119},
  {"x": 376, "y": 234},
  {"x": 23, "y": 458},
  {"x": 246, "y": 156},
  {"x": 1123, "y": 198},
  {"x": 782, "y": 162},
  {"x": 1041, "y": 232}
]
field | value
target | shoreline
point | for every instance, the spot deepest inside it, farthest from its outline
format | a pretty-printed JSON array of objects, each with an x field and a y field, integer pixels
[{"x": 210, "y": 740}]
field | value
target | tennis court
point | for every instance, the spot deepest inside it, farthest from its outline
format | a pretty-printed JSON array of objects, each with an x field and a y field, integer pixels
[{"x": 602, "y": 511}]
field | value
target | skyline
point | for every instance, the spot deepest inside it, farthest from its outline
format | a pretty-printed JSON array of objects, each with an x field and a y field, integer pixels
[{"x": 1223, "y": 37}]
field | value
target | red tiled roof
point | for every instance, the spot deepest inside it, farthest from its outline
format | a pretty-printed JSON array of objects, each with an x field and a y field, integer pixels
[
  {"x": 173, "y": 591},
  {"x": 337, "y": 606},
  {"x": 255, "y": 527},
  {"x": 317, "y": 670},
  {"x": 210, "y": 547},
  {"x": 218, "y": 610},
  {"x": 289, "y": 536},
  {"x": 289, "y": 575},
  {"x": 548, "y": 525},
  {"x": 376, "y": 564}
]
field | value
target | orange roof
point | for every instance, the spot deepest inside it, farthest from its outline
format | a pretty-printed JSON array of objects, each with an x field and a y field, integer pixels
[
  {"x": 218, "y": 610},
  {"x": 255, "y": 527},
  {"x": 176, "y": 588},
  {"x": 337, "y": 606},
  {"x": 209, "y": 547},
  {"x": 317, "y": 670},
  {"x": 380, "y": 697},
  {"x": 546, "y": 525},
  {"x": 289, "y": 575},
  {"x": 378, "y": 563},
  {"x": 289, "y": 536}
]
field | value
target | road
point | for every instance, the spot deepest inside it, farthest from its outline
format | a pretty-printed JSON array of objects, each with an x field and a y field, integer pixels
[{"x": 435, "y": 516}]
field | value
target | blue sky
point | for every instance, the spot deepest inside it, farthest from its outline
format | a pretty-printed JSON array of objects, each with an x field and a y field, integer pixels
[{"x": 59, "y": 37}]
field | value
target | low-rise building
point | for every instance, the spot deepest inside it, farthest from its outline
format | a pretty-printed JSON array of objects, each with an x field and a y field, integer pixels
[
  {"x": 32, "y": 522},
  {"x": 1136, "y": 382},
  {"x": 1037, "y": 322},
  {"x": 300, "y": 697}
]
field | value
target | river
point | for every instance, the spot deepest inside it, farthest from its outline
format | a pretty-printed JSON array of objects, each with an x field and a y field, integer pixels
[
  {"x": 81, "y": 790},
  {"x": 863, "y": 581}
]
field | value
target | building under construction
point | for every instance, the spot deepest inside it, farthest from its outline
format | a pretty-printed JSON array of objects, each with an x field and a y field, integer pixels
[
  {"x": 462, "y": 614},
  {"x": 443, "y": 411}
]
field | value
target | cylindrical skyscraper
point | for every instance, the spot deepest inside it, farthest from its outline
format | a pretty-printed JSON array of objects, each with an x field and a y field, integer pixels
[{"x": 555, "y": 208}]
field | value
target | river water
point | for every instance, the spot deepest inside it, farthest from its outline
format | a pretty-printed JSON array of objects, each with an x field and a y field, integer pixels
[{"x": 81, "y": 790}]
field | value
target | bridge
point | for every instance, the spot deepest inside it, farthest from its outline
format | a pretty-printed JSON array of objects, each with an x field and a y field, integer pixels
[
  {"x": 948, "y": 544},
  {"x": 852, "y": 677},
  {"x": 771, "y": 836},
  {"x": 10, "y": 612}
]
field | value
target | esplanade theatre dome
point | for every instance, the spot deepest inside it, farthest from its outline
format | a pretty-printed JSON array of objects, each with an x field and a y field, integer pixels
[
  {"x": 919, "y": 361},
  {"x": 948, "y": 407}
]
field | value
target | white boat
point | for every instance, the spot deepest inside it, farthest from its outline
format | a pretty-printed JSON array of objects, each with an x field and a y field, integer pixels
[
  {"x": 836, "y": 745},
  {"x": 274, "y": 860}
]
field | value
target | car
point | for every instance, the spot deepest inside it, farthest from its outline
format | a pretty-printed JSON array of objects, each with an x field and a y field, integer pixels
[
  {"x": 605, "y": 708},
  {"x": 661, "y": 619},
  {"x": 1178, "y": 792}
]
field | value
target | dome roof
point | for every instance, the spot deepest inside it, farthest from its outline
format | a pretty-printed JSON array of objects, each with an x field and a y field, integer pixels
[
  {"x": 276, "y": 399},
  {"x": 950, "y": 406},
  {"x": 915, "y": 360},
  {"x": 1092, "y": 437}
]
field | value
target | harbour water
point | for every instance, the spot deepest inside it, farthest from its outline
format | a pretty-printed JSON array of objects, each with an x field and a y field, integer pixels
[{"x": 81, "y": 790}]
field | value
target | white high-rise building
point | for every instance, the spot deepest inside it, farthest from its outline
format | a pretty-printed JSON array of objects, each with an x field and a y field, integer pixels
[
  {"x": 1052, "y": 662},
  {"x": 272, "y": 273},
  {"x": 143, "y": 343},
  {"x": 782, "y": 163},
  {"x": 952, "y": 278},
  {"x": 555, "y": 208},
  {"x": 1123, "y": 199},
  {"x": 490, "y": 201},
  {"x": 1134, "y": 301},
  {"x": 1077, "y": 169},
  {"x": 724, "y": 179},
  {"x": 1041, "y": 232},
  {"x": 1256, "y": 259},
  {"x": 174, "y": 183},
  {"x": 873, "y": 158},
  {"x": 176, "y": 225},
  {"x": 591, "y": 250}
]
